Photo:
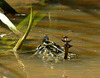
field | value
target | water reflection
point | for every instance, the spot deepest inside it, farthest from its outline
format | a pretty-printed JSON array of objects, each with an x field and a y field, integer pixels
[
  {"x": 6, "y": 72},
  {"x": 37, "y": 68}
]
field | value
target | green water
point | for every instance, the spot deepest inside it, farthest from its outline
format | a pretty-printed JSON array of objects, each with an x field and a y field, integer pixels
[{"x": 84, "y": 30}]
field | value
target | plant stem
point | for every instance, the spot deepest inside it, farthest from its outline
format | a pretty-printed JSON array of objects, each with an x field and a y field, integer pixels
[{"x": 20, "y": 42}]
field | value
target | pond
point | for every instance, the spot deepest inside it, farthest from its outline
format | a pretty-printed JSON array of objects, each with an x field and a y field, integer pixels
[{"x": 60, "y": 20}]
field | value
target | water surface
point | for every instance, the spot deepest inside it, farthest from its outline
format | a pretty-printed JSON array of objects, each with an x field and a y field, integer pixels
[{"x": 82, "y": 27}]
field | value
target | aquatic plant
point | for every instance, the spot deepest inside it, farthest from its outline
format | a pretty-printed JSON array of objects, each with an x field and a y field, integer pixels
[
  {"x": 20, "y": 42},
  {"x": 11, "y": 26},
  {"x": 33, "y": 21}
]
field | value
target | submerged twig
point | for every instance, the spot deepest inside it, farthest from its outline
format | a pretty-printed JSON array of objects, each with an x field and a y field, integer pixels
[{"x": 20, "y": 42}]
